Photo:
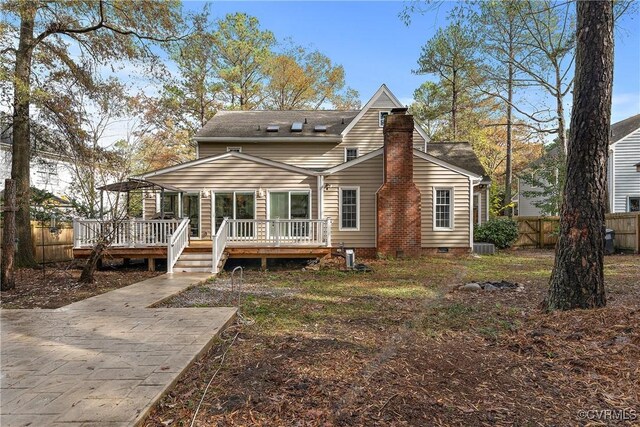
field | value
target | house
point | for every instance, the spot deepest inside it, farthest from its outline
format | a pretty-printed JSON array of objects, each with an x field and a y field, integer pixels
[
  {"x": 623, "y": 180},
  {"x": 301, "y": 183}
]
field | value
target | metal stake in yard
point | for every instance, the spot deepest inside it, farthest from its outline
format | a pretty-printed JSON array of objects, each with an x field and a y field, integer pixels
[{"x": 233, "y": 284}]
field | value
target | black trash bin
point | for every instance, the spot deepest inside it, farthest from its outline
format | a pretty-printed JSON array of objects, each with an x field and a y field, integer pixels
[{"x": 609, "y": 237}]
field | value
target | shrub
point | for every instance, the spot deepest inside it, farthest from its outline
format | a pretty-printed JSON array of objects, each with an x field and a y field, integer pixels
[{"x": 502, "y": 232}]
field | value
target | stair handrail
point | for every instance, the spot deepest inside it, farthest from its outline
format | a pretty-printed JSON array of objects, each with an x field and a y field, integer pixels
[
  {"x": 219, "y": 244},
  {"x": 178, "y": 240}
]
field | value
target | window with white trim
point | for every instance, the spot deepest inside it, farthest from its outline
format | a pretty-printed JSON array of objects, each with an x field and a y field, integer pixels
[
  {"x": 349, "y": 208},
  {"x": 443, "y": 203},
  {"x": 382, "y": 116},
  {"x": 350, "y": 154},
  {"x": 235, "y": 149}
]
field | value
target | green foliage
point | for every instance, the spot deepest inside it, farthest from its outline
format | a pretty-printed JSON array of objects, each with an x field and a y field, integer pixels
[{"x": 502, "y": 232}]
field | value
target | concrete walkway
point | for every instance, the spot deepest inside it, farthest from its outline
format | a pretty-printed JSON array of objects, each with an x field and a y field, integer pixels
[{"x": 104, "y": 360}]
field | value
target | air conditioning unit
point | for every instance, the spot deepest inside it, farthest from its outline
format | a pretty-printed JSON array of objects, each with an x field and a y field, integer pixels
[{"x": 350, "y": 257}]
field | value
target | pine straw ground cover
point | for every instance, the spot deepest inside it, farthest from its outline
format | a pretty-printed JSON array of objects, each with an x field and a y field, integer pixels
[
  {"x": 58, "y": 285},
  {"x": 400, "y": 347}
]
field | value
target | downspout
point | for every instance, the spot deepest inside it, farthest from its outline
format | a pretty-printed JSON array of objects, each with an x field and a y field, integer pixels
[
  {"x": 471, "y": 185},
  {"x": 320, "y": 191}
]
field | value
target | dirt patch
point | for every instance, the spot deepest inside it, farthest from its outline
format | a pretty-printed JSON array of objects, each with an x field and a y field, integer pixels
[
  {"x": 224, "y": 292},
  {"x": 58, "y": 285},
  {"x": 401, "y": 347}
]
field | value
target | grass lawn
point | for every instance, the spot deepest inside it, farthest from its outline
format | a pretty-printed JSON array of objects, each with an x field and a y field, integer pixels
[{"x": 401, "y": 346}]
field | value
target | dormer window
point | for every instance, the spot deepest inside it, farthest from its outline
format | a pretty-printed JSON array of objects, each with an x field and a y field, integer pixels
[{"x": 382, "y": 116}]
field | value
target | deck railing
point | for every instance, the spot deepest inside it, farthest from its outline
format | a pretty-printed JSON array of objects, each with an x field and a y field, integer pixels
[
  {"x": 126, "y": 233},
  {"x": 279, "y": 232},
  {"x": 219, "y": 243},
  {"x": 177, "y": 242}
]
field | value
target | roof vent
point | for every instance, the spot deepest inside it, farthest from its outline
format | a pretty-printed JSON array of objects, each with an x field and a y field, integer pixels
[
  {"x": 305, "y": 120},
  {"x": 296, "y": 127},
  {"x": 273, "y": 128},
  {"x": 343, "y": 120},
  {"x": 320, "y": 128}
]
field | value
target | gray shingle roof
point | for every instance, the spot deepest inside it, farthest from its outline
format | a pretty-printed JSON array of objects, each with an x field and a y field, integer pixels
[
  {"x": 459, "y": 154},
  {"x": 624, "y": 127},
  {"x": 233, "y": 124}
]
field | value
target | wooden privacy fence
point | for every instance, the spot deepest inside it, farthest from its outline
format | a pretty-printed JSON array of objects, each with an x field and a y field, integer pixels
[
  {"x": 57, "y": 247},
  {"x": 542, "y": 231}
]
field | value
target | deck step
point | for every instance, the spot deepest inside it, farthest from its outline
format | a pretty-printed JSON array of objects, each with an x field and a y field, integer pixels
[
  {"x": 195, "y": 256},
  {"x": 177, "y": 269}
]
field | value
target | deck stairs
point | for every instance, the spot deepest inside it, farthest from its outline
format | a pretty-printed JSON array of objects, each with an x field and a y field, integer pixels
[{"x": 197, "y": 260}]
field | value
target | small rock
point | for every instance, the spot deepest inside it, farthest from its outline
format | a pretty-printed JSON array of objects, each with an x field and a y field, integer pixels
[
  {"x": 490, "y": 287},
  {"x": 471, "y": 287}
]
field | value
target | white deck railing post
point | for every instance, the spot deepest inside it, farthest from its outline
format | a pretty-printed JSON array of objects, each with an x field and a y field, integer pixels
[{"x": 327, "y": 226}]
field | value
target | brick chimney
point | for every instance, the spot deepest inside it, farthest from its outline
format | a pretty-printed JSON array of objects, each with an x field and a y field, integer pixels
[{"x": 398, "y": 200}]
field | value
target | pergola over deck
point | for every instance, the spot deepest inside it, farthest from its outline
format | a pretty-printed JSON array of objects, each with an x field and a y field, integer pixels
[{"x": 133, "y": 184}]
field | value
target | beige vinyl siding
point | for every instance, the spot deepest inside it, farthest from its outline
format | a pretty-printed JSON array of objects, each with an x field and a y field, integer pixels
[
  {"x": 303, "y": 154},
  {"x": 205, "y": 217},
  {"x": 368, "y": 177},
  {"x": 366, "y": 136},
  {"x": 233, "y": 174},
  {"x": 148, "y": 205},
  {"x": 482, "y": 192},
  {"x": 428, "y": 175}
]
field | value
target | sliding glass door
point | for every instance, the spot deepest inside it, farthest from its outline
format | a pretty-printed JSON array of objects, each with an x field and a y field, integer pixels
[
  {"x": 236, "y": 205},
  {"x": 290, "y": 205},
  {"x": 191, "y": 210}
]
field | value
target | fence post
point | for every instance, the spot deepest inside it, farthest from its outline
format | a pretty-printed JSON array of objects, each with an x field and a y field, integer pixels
[
  {"x": 540, "y": 234},
  {"x": 638, "y": 233}
]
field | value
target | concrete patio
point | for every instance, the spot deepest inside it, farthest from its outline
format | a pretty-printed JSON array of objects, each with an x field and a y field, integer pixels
[{"x": 104, "y": 360}]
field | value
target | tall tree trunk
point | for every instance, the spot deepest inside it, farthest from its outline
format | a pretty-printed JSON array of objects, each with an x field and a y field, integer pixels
[
  {"x": 21, "y": 154},
  {"x": 8, "y": 279},
  {"x": 454, "y": 107},
  {"x": 508, "y": 172},
  {"x": 577, "y": 280}
]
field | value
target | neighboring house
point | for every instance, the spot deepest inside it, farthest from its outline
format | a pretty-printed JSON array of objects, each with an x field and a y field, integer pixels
[
  {"x": 623, "y": 180},
  {"x": 296, "y": 179},
  {"x": 622, "y": 175},
  {"x": 49, "y": 171}
]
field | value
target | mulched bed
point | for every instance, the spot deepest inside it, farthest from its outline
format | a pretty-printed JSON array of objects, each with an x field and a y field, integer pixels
[
  {"x": 459, "y": 358},
  {"x": 58, "y": 285}
]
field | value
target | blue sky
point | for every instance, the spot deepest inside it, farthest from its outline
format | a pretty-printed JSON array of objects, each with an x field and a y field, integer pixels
[{"x": 375, "y": 46}]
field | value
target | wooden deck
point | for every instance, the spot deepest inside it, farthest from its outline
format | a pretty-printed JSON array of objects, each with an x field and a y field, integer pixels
[{"x": 204, "y": 246}]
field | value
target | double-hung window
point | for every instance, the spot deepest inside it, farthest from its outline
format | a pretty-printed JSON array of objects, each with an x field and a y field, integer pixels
[
  {"x": 350, "y": 154},
  {"x": 349, "y": 208},
  {"x": 443, "y": 208}
]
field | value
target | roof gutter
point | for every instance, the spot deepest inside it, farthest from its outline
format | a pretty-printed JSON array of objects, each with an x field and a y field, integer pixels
[{"x": 256, "y": 139}]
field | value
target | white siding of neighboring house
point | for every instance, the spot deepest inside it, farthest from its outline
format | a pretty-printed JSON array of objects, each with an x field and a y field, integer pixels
[
  {"x": 48, "y": 172},
  {"x": 626, "y": 179},
  {"x": 526, "y": 205}
]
